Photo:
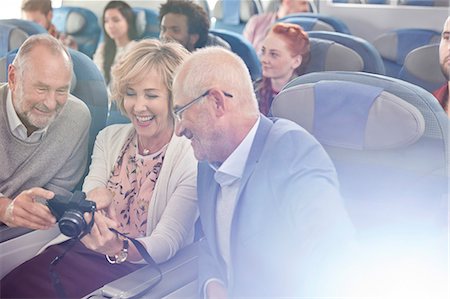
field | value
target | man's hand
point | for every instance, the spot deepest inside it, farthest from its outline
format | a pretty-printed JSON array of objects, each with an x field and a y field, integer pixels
[
  {"x": 26, "y": 211},
  {"x": 216, "y": 290}
]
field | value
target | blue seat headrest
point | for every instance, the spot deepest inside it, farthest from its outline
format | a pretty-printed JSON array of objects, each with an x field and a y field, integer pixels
[
  {"x": 147, "y": 22},
  {"x": 357, "y": 116}
]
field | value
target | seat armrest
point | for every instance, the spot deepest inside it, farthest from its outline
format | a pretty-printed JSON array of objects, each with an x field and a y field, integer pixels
[
  {"x": 178, "y": 272},
  {"x": 8, "y": 233}
]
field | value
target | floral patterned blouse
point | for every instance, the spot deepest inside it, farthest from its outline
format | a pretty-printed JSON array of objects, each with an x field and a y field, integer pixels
[{"x": 132, "y": 183}]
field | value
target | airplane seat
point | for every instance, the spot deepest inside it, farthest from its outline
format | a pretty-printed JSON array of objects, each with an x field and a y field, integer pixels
[
  {"x": 14, "y": 32},
  {"x": 147, "y": 22},
  {"x": 10, "y": 38},
  {"x": 233, "y": 15},
  {"x": 115, "y": 116},
  {"x": 275, "y": 4},
  {"x": 422, "y": 68},
  {"x": 308, "y": 24},
  {"x": 243, "y": 48},
  {"x": 81, "y": 23},
  {"x": 328, "y": 55},
  {"x": 328, "y": 23},
  {"x": 388, "y": 140},
  {"x": 394, "y": 45},
  {"x": 373, "y": 62},
  {"x": 28, "y": 27},
  {"x": 91, "y": 88}
]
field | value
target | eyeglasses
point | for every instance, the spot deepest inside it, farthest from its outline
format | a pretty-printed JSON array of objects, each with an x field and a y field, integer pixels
[{"x": 178, "y": 110}]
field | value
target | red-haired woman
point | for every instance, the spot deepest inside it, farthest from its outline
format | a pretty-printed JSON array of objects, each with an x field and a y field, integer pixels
[{"x": 284, "y": 55}]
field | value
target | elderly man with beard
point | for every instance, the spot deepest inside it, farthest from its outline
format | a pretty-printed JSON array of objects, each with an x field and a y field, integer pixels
[
  {"x": 442, "y": 94},
  {"x": 43, "y": 133}
]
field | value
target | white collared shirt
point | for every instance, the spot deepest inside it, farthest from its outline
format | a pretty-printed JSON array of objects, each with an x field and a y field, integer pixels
[
  {"x": 16, "y": 126},
  {"x": 228, "y": 176}
]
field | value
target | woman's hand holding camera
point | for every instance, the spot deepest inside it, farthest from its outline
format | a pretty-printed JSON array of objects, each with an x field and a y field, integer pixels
[
  {"x": 103, "y": 199},
  {"x": 101, "y": 239}
]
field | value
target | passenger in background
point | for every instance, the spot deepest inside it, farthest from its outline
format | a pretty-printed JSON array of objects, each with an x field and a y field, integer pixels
[
  {"x": 257, "y": 26},
  {"x": 119, "y": 28},
  {"x": 284, "y": 55},
  {"x": 142, "y": 177},
  {"x": 43, "y": 133},
  {"x": 41, "y": 12},
  {"x": 274, "y": 223},
  {"x": 442, "y": 94},
  {"x": 187, "y": 23}
]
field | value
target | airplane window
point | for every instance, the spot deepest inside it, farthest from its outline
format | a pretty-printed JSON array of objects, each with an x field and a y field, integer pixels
[
  {"x": 12, "y": 10},
  {"x": 56, "y": 3},
  {"x": 211, "y": 3}
]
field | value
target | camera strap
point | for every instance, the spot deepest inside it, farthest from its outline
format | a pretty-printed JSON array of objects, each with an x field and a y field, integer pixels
[
  {"x": 144, "y": 253},
  {"x": 54, "y": 276},
  {"x": 147, "y": 257},
  {"x": 56, "y": 282}
]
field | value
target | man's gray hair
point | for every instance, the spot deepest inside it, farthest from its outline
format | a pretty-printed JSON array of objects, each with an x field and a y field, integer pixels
[
  {"x": 45, "y": 39},
  {"x": 215, "y": 66}
]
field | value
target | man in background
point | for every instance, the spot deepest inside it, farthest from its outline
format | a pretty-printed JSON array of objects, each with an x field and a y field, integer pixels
[
  {"x": 41, "y": 12},
  {"x": 442, "y": 94},
  {"x": 257, "y": 26},
  {"x": 187, "y": 23}
]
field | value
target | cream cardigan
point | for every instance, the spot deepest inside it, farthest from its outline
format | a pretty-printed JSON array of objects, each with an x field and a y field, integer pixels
[{"x": 173, "y": 207}]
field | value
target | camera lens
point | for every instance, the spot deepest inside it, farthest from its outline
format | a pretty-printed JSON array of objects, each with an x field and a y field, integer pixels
[{"x": 72, "y": 223}]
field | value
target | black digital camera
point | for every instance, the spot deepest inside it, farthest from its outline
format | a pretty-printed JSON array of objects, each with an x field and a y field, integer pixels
[{"x": 69, "y": 213}]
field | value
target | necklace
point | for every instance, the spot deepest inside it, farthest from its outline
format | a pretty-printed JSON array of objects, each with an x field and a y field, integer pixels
[{"x": 145, "y": 152}]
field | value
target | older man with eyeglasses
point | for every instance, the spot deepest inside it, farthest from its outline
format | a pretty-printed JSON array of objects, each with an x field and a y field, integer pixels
[{"x": 273, "y": 220}]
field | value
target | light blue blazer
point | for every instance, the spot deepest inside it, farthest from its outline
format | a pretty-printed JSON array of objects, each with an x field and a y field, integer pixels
[{"x": 289, "y": 228}]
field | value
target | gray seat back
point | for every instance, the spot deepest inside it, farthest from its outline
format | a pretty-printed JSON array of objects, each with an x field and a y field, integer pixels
[
  {"x": 327, "y": 55},
  {"x": 421, "y": 67},
  {"x": 395, "y": 45},
  {"x": 388, "y": 140},
  {"x": 373, "y": 63}
]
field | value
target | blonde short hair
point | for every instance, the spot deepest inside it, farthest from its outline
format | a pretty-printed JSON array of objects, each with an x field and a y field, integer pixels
[{"x": 146, "y": 55}]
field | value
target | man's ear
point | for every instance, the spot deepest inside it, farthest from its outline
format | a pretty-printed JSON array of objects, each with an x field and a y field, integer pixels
[
  {"x": 193, "y": 39},
  {"x": 219, "y": 103},
  {"x": 12, "y": 77},
  {"x": 50, "y": 16}
]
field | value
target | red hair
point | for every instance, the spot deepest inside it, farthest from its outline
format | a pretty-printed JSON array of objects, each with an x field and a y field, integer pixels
[{"x": 297, "y": 41}]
